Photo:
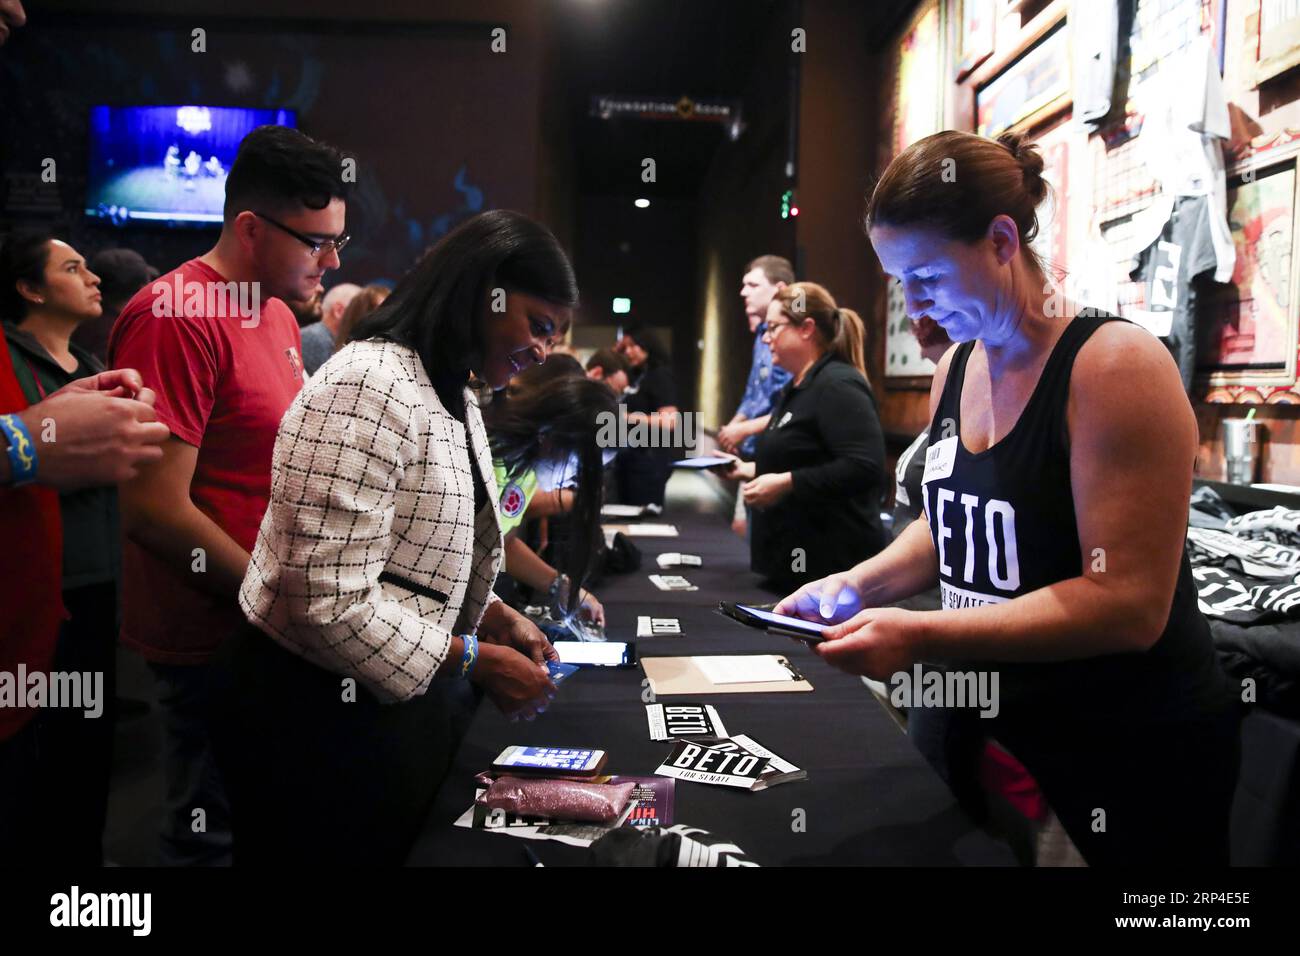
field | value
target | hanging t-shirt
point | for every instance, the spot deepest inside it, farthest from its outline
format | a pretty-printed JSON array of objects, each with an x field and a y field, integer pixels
[
  {"x": 1184, "y": 127},
  {"x": 1168, "y": 269},
  {"x": 908, "y": 472}
]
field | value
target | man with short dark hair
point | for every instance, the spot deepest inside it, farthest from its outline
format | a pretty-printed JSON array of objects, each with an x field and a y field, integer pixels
[
  {"x": 223, "y": 352},
  {"x": 607, "y": 366},
  {"x": 764, "y": 278},
  {"x": 122, "y": 273}
]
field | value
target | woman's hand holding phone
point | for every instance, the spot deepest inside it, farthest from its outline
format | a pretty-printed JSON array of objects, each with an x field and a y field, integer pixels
[
  {"x": 877, "y": 643},
  {"x": 520, "y": 687},
  {"x": 830, "y": 600},
  {"x": 736, "y": 470}
]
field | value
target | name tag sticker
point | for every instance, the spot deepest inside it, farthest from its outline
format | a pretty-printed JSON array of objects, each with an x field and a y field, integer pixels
[{"x": 939, "y": 459}]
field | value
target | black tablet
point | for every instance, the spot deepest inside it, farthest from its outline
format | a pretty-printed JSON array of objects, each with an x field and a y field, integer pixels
[{"x": 704, "y": 462}]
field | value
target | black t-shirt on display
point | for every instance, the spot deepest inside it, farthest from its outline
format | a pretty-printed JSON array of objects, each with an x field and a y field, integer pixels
[
  {"x": 908, "y": 471},
  {"x": 826, "y": 432},
  {"x": 1169, "y": 268}
]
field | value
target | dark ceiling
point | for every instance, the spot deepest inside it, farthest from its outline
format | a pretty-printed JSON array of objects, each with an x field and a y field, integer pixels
[{"x": 671, "y": 48}]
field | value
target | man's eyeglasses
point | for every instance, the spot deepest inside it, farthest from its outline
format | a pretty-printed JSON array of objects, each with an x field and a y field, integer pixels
[{"x": 317, "y": 246}]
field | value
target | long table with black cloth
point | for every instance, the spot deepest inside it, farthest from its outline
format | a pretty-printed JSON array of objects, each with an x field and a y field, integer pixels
[{"x": 870, "y": 798}]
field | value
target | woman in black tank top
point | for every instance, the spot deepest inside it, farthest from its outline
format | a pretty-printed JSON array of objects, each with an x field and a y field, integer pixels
[{"x": 1059, "y": 466}]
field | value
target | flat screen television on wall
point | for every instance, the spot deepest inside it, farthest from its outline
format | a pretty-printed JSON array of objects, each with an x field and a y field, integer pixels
[{"x": 166, "y": 164}]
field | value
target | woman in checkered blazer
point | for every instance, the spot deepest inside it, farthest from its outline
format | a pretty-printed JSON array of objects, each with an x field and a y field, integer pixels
[{"x": 369, "y": 593}]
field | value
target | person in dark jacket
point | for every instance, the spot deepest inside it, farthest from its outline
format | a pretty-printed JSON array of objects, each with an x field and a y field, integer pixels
[
  {"x": 650, "y": 399},
  {"x": 816, "y": 483}
]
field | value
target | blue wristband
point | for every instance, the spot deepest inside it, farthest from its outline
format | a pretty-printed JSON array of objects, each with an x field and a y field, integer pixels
[
  {"x": 469, "y": 656},
  {"x": 22, "y": 453}
]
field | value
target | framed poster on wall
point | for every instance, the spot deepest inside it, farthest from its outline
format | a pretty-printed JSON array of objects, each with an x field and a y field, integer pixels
[
  {"x": 1277, "y": 39},
  {"x": 975, "y": 34},
  {"x": 905, "y": 366},
  {"x": 1033, "y": 88},
  {"x": 1251, "y": 336},
  {"x": 920, "y": 78}
]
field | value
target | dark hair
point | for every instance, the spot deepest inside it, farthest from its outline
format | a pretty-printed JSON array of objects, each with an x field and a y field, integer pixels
[
  {"x": 362, "y": 305},
  {"x": 278, "y": 169},
  {"x": 609, "y": 362},
  {"x": 23, "y": 256},
  {"x": 642, "y": 335},
  {"x": 437, "y": 308},
  {"x": 556, "y": 414},
  {"x": 122, "y": 273},
  {"x": 840, "y": 330},
  {"x": 775, "y": 268},
  {"x": 956, "y": 183}
]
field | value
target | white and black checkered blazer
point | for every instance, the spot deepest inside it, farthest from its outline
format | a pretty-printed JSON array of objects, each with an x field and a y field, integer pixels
[{"x": 370, "y": 556}]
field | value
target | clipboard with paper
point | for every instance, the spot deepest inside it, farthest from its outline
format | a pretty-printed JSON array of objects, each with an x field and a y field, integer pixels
[{"x": 723, "y": 674}]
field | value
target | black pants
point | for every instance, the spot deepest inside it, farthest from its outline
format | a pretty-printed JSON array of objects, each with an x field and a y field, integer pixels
[
  {"x": 54, "y": 773},
  {"x": 315, "y": 777},
  {"x": 642, "y": 475},
  {"x": 22, "y": 820},
  {"x": 1134, "y": 793},
  {"x": 77, "y": 750}
]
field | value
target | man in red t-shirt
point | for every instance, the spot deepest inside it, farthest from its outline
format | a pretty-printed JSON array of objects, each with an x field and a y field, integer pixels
[{"x": 223, "y": 353}]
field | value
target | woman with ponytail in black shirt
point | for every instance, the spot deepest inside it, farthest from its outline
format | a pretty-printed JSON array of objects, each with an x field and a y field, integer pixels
[{"x": 816, "y": 482}]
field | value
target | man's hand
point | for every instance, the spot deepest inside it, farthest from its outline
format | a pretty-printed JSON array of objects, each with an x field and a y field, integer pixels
[
  {"x": 875, "y": 643},
  {"x": 504, "y": 626},
  {"x": 590, "y": 608},
  {"x": 95, "y": 431},
  {"x": 766, "y": 490},
  {"x": 730, "y": 436}
]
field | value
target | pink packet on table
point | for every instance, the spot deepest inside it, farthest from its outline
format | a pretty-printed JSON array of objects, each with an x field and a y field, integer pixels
[{"x": 557, "y": 799}]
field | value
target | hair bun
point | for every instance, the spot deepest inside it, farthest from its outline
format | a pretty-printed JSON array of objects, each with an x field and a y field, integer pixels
[{"x": 1027, "y": 154}]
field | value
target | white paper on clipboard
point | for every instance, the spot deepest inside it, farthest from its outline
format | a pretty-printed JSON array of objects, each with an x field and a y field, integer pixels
[{"x": 744, "y": 669}]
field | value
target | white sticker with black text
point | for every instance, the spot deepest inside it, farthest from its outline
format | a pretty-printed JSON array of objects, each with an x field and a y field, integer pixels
[
  {"x": 939, "y": 459},
  {"x": 670, "y": 721}
]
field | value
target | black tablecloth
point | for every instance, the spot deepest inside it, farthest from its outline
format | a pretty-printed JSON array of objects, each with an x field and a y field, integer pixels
[{"x": 870, "y": 798}]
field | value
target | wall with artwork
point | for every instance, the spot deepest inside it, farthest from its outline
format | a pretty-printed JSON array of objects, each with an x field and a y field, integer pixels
[{"x": 1228, "y": 68}]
